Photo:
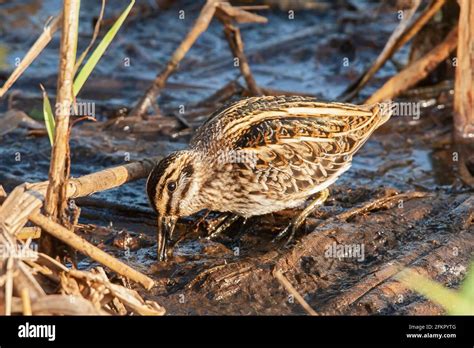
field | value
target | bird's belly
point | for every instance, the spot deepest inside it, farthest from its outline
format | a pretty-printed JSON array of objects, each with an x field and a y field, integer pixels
[
  {"x": 254, "y": 206},
  {"x": 267, "y": 194}
]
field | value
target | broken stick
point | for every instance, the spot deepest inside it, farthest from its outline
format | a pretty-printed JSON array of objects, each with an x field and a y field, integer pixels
[
  {"x": 287, "y": 285},
  {"x": 405, "y": 31},
  {"x": 417, "y": 71},
  {"x": 236, "y": 45},
  {"x": 149, "y": 99}
]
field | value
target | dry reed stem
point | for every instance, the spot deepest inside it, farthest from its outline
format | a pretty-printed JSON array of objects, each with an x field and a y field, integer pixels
[
  {"x": 33, "y": 52},
  {"x": 128, "y": 297},
  {"x": 404, "y": 32},
  {"x": 86, "y": 248},
  {"x": 9, "y": 286},
  {"x": 55, "y": 201},
  {"x": 28, "y": 198},
  {"x": 287, "y": 285},
  {"x": 464, "y": 83},
  {"x": 26, "y": 301},
  {"x": 416, "y": 71},
  {"x": 94, "y": 37}
]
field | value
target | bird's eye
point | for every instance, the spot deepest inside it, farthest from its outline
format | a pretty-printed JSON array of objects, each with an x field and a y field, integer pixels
[{"x": 171, "y": 186}]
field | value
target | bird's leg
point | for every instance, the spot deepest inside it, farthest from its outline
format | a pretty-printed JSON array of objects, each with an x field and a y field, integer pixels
[
  {"x": 298, "y": 220},
  {"x": 228, "y": 221}
]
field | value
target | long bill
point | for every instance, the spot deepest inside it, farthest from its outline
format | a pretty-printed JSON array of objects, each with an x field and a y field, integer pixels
[{"x": 166, "y": 226}]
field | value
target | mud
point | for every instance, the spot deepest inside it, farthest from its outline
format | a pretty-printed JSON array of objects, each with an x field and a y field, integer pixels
[{"x": 233, "y": 274}]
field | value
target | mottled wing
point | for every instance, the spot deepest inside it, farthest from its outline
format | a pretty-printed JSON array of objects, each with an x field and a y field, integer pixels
[
  {"x": 225, "y": 125},
  {"x": 299, "y": 145}
]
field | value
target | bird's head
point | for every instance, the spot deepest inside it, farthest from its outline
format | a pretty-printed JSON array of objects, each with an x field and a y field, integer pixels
[{"x": 172, "y": 186}]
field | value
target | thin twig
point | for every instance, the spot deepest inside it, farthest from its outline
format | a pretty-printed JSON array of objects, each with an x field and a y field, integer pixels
[
  {"x": 287, "y": 285},
  {"x": 94, "y": 37},
  {"x": 33, "y": 52},
  {"x": 402, "y": 34},
  {"x": 27, "y": 198},
  {"x": 464, "y": 82},
  {"x": 236, "y": 45}
]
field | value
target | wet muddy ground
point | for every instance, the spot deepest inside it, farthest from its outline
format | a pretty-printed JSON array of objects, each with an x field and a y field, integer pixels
[{"x": 428, "y": 227}]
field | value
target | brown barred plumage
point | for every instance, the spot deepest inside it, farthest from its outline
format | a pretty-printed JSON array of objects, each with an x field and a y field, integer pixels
[{"x": 260, "y": 155}]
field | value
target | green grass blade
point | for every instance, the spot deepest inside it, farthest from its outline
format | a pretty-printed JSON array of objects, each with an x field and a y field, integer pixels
[
  {"x": 467, "y": 288},
  {"x": 48, "y": 116},
  {"x": 99, "y": 51},
  {"x": 453, "y": 302}
]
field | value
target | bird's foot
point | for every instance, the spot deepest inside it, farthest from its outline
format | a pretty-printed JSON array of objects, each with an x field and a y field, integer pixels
[
  {"x": 289, "y": 231},
  {"x": 223, "y": 226},
  {"x": 293, "y": 226}
]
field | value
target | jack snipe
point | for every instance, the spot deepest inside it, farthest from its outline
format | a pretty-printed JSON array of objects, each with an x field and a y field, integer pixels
[{"x": 261, "y": 155}]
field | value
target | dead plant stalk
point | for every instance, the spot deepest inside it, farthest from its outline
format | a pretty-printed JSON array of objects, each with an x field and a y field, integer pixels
[
  {"x": 55, "y": 202},
  {"x": 464, "y": 84},
  {"x": 55, "y": 195}
]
